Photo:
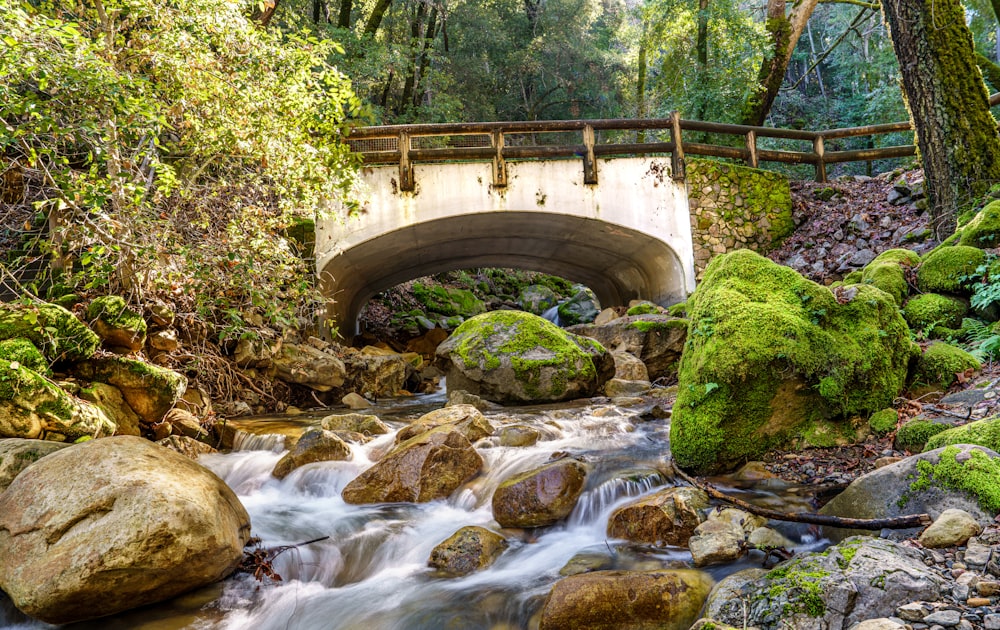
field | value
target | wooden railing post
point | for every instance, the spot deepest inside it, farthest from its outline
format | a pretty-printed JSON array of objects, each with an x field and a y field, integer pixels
[
  {"x": 677, "y": 168},
  {"x": 406, "y": 183},
  {"x": 589, "y": 163},
  {"x": 499, "y": 164},
  {"x": 752, "y": 160},
  {"x": 820, "y": 160}
]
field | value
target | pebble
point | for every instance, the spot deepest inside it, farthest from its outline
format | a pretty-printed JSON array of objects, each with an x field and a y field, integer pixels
[
  {"x": 946, "y": 618},
  {"x": 992, "y": 622},
  {"x": 988, "y": 588},
  {"x": 975, "y": 602}
]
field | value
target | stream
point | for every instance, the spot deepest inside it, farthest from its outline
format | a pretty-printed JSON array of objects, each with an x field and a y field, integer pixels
[{"x": 372, "y": 574}]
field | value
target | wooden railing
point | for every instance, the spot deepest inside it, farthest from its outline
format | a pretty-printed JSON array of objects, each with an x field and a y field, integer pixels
[{"x": 498, "y": 142}]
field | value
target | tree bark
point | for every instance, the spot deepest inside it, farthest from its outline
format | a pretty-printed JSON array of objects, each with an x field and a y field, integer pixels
[
  {"x": 375, "y": 19},
  {"x": 785, "y": 32},
  {"x": 948, "y": 103},
  {"x": 344, "y": 19}
]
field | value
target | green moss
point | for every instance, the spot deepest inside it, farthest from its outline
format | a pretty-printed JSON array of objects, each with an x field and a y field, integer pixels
[
  {"x": 847, "y": 551},
  {"x": 923, "y": 312},
  {"x": 25, "y": 353},
  {"x": 824, "y": 194},
  {"x": 899, "y": 256},
  {"x": 448, "y": 302},
  {"x": 978, "y": 476},
  {"x": 783, "y": 352},
  {"x": 56, "y": 332},
  {"x": 940, "y": 362},
  {"x": 984, "y": 432},
  {"x": 677, "y": 310},
  {"x": 913, "y": 435},
  {"x": 644, "y": 308},
  {"x": 883, "y": 422},
  {"x": 889, "y": 276},
  {"x": 646, "y": 325},
  {"x": 944, "y": 269},
  {"x": 112, "y": 310},
  {"x": 984, "y": 229},
  {"x": 798, "y": 582},
  {"x": 854, "y": 277}
]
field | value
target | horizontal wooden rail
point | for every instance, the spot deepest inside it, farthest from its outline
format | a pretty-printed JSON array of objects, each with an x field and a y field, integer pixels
[{"x": 519, "y": 140}]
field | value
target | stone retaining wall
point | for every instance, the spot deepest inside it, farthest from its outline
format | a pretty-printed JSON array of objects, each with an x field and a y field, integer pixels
[{"x": 735, "y": 207}]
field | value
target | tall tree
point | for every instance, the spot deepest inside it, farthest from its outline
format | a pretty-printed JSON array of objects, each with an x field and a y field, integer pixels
[{"x": 948, "y": 103}]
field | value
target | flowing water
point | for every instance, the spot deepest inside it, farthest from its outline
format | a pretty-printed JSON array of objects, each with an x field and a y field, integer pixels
[{"x": 372, "y": 574}]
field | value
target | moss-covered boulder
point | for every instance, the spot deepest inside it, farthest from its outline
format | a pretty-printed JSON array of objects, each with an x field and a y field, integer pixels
[
  {"x": 468, "y": 550},
  {"x": 516, "y": 357},
  {"x": 602, "y": 600},
  {"x": 54, "y": 330},
  {"x": 930, "y": 310},
  {"x": 109, "y": 398},
  {"x": 657, "y": 340},
  {"x": 148, "y": 389},
  {"x": 116, "y": 324},
  {"x": 583, "y": 307},
  {"x": 31, "y": 406},
  {"x": 913, "y": 435},
  {"x": 537, "y": 298},
  {"x": 446, "y": 301},
  {"x": 984, "y": 229},
  {"x": 883, "y": 422},
  {"x": 771, "y": 357},
  {"x": 984, "y": 432},
  {"x": 24, "y": 352},
  {"x": 888, "y": 272},
  {"x": 943, "y": 269},
  {"x": 940, "y": 363}
]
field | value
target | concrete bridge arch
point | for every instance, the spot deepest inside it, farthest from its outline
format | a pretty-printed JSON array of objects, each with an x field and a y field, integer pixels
[{"x": 627, "y": 237}]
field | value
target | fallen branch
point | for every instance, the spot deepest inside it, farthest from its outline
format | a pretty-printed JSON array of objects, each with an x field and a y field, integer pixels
[
  {"x": 257, "y": 562},
  {"x": 947, "y": 412},
  {"x": 899, "y": 522}
]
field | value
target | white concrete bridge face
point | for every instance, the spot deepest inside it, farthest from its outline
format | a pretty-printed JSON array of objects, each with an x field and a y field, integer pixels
[{"x": 627, "y": 237}]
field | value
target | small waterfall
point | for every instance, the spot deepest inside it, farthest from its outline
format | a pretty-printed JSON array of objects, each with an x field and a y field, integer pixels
[{"x": 552, "y": 314}]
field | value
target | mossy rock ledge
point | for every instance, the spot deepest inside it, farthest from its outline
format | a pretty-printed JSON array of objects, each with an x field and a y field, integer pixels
[
  {"x": 56, "y": 332},
  {"x": 773, "y": 360},
  {"x": 513, "y": 357}
]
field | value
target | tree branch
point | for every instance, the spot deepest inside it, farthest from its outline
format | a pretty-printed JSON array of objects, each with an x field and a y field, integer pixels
[{"x": 874, "y": 6}]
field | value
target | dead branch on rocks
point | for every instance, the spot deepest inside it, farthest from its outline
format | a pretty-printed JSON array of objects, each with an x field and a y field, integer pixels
[
  {"x": 257, "y": 561},
  {"x": 899, "y": 522}
]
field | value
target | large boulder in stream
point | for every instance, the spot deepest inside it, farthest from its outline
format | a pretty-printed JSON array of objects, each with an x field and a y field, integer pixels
[
  {"x": 667, "y": 517},
  {"x": 429, "y": 466},
  {"x": 513, "y": 357},
  {"x": 626, "y": 600},
  {"x": 142, "y": 524},
  {"x": 861, "y": 578},
  {"x": 468, "y": 550},
  {"x": 773, "y": 360},
  {"x": 657, "y": 340},
  {"x": 541, "y": 496}
]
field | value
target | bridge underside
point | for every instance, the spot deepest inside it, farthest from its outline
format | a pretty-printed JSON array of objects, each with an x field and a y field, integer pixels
[{"x": 618, "y": 263}]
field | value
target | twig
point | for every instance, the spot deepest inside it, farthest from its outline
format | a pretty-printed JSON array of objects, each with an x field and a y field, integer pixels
[
  {"x": 949, "y": 413},
  {"x": 899, "y": 522}
]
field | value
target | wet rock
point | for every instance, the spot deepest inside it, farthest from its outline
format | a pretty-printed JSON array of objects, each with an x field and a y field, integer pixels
[
  {"x": 717, "y": 541},
  {"x": 628, "y": 367},
  {"x": 79, "y": 546},
  {"x": 656, "y": 340},
  {"x": 109, "y": 398},
  {"x": 668, "y": 517},
  {"x": 729, "y": 589},
  {"x": 951, "y": 528},
  {"x": 429, "y": 466},
  {"x": 889, "y": 492},
  {"x": 519, "y": 435},
  {"x": 315, "y": 445},
  {"x": 365, "y": 424},
  {"x": 302, "y": 364},
  {"x": 468, "y": 550},
  {"x": 617, "y": 387},
  {"x": 150, "y": 391},
  {"x": 465, "y": 419},
  {"x": 462, "y": 397},
  {"x": 539, "y": 497},
  {"x": 186, "y": 446},
  {"x": 32, "y": 407},
  {"x": 116, "y": 324},
  {"x": 354, "y": 400},
  {"x": 859, "y": 579},
  {"x": 537, "y": 298},
  {"x": 515, "y": 357},
  {"x": 626, "y": 600},
  {"x": 16, "y": 454},
  {"x": 583, "y": 307}
]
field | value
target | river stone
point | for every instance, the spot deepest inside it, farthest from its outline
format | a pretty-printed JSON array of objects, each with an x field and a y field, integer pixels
[
  {"x": 582, "y": 308},
  {"x": 148, "y": 389},
  {"x": 536, "y": 298},
  {"x": 519, "y": 435},
  {"x": 880, "y": 493},
  {"x": 657, "y": 340},
  {"x": 464, "y": 418},
  {"x": 882, "y": 623},
  {"x": 302, "y": 364},
  {"x": 188, "y": 447},
  {"x": 728, "y": 589},
  {"x": 33, "y": 407},
  {"x": 109, "y": 398},
  {"x": 626, "y": 600},
  {"x": 668, "y": 517},
  {"x": 541, "y": 496},
  {"x": 628, "y": 367},
  {"x": 861, "y": 578},
  {"x": 365, "y": 424},
  {"x": 953, "y": 527},
  {"x": 618, "y": 388},
  {"x": 717, "y": 541},
  {"x": 429, "y": 466},
  {"x": 315, "y": 445},
  {"x": 116, "y": 324},
  {"x": 142, "y": 525},
  {"x": 355, "y": 401},
  {"x": 468, "y": 550},
  {"x": 520, "y": 358},
  {"x": 376, "y": 375},
  {"x": 16, "y": 454}
]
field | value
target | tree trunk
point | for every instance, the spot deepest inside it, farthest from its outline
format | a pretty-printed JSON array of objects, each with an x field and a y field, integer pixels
[
  {"x": 321, "y": 11},
  {"x": 785, "y": 32},
  {"x": 701, "y": 50},
  {"x": 375, "y": 19},
  {"x": 344, "y": 19},
  {"x": 948, "y": 103}
]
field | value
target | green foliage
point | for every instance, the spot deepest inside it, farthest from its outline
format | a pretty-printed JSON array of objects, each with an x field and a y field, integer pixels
[{"x": 139, "y": 121}]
